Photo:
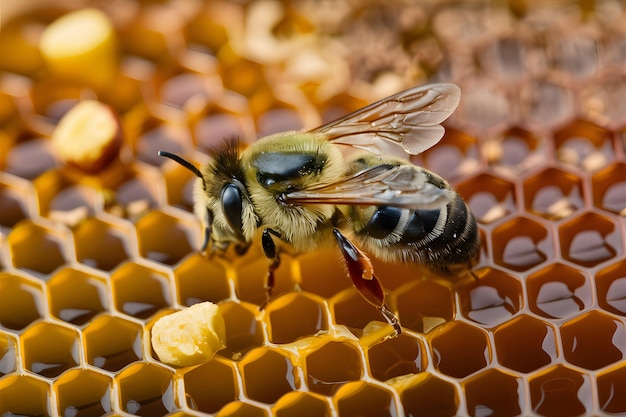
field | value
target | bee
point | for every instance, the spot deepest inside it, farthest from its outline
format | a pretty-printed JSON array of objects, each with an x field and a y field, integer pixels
[{"x": 302, "y": 188}]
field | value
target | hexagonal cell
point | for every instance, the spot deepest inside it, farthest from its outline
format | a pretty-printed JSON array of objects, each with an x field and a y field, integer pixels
[
  {"x": 593, "y": 340},
  {"x": 179, "y": 183},
  {"x": 31, "y": 158},
  {"x": 424, "y": 304},
  {"x": 491, "y": 299},
  {"x": 212, "y": 385},
  {"x": 76, "y": 296},
  {"x": 8, "y": 354},
  {"x": 200, "y": 279},
  {"x": 146, "y": 389},
  {"x": 139, "y": 193},
  {"x": 23, "y": 395},
  {"x": 37, "y": 248},
  {"x": 546, "y": 103},
  {"x": 165, "y": 238},
  {"x": 361, "y": 398},
  {"x": 350, "y": 309},
  {"x": 610, "y": 382},
  {"x": 574, "y": 55},
  {"x": 243, "y": 330},
  {"x": 21, "y": 301},
  {"x": 332, "y": 364},
  {"x": 50, "y": 349},
  {"x": 488, "y": 197},
  {"x": 140, "y": 290},
  {"x": 103, "y": 244},
  {"x": 251, "y": 273},
  {"x": 561, "y": 391},
  {"x": 609, "y": 188},
  {"x": 589, "y": 239},
  {"x": 553, "y": 194},
  {"x": 166, "y": 137},
  {"x": 584, "y": 145},
  {"x": 525, "y": 344},
  {"x": 241, "y": 409},
  {"x": 220, "y": 123},
  {"x": 268, "y": 374},
  {"x": 295, "y": 315},
  {"x": 521, "y": 244},
  {"x": 321, "y": 273},
  {"x": 393, "y": 357},
  {"x": 460, "y": 359},
  {"x": 558, "y": 291},
  {"x": 495, "y": 392},
  {"x": 17, "y": 200},
  {"x": 515, "y": 151},
  {"x": 301, "y": 404},
  {"x": 72, "y": 204},
  {"x": 456, "y": 156},
  {"x": 611, "y": 288},
  {"x": 83, "y": 391},
  {"x": 426, "y": 395},
  {"x": 111, "y": 343}
]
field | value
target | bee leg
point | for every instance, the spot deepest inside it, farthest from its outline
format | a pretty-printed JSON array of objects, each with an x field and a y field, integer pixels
[
  {"x": 361, "y": 272},
  {"x": 269, "y": 248},
  {"x": 207, "y": 231}
]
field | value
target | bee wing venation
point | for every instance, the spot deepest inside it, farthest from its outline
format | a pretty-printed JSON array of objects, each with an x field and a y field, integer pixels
[
  {"x": 410, "y": 119},
  {"x": 401, "y": 186}
]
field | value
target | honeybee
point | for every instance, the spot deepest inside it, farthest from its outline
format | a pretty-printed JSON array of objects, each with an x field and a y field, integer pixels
[{"x": 300, "y": 188}]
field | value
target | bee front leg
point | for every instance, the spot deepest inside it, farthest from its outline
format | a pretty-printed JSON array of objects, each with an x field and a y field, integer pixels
[
  {"x": 269, "y": 248},
  {"x": 361, "y": 272}
]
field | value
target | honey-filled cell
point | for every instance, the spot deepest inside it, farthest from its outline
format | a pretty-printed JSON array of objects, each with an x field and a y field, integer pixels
[
  {"x": 402, "y": 355},
  {"x": 460, "y": 359},
  {"x": 199, "y": 278},
  {"x": 426, "y": 395},
  {"x": 364, "y": 399},
  {"x": 8, "y": 354},
  {"x": 268, "y": 374},
  {"x": 21, "y": 301},
  {"x": 251, "y": 273},
  {"x": 211, "y": 386},
  {"x": 424, "y": 304},
  {"x": 609, "y": 188},
  {"x": 521, "y": 244},
  {"x": 50, "y": 349},
  {"x": 553, "y": 194},
  {"x": 83, "y": 392},
  {"x": 140, "y": 290},
  {"x": 350, "y": 309},
  {"x": 111, "y": 343},
  {"x": 496, "y": 392},
  {"x": 561, "y": 391},
  {"x": 295, "y": 315},
  {"x": 490, "y": 198},
  {"x": 37, "y": 248},
  {"x": 590, "y": 239},
  {"x": 321, "y": 273},
  {"x": 146, "y": 389},
  {"x": 301, "y": 404},
  {"x": 244, "y": 330},
  {"x": 242, "y": 409},
  {"x": 584, "y": 145},
  {"x": 76, "y": 296},
  {"x": 611, "y": 288},
  {"x": 609, "y": 382},
  {"x": 103, "y": 244},
  {"x": 515, "y": 151},
  {"x": 23, "y": 395},
  {"x": 17, "y": 200},
  {"x": 456, "y": 156},
  {"x": 331, "y": 365},
  {"x": 164, "y": 238}
]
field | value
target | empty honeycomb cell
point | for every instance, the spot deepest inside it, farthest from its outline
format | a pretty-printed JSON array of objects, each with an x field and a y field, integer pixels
[
  {"x": 280, "y": 118},
  {"x": 186, "y": 91},
  {"x": 31, "y": 158},
  {"x": 301, "y": 404},
  {"x": 525, "y": 343},
  {"x": 456, "y": 156},
  {"x": 424, "y": 304},
  {"x": 200, "y": 279},
  {"x": 515, "y": 151},
  {"x": 361, "y": 398},
  {"x": 610, "y": 382},
  {"x": 489, "y": 198},
  {"x": 546, "y": 103},
  {"x": 321, "y": 273},
  {"x": 103, "y": 244},
  {"x": 553, "y": 194},
  {"x": 521, "y": 244},
  {"x": 611, "y": 288},
  {"x": 460, "y": 359},
  {"x": 76, "y": 296},
  {"x": 268, "y": 374},
  {"x": 575, "y": 55},
  {"x": 16, "y": 200},
  {"x": 243, "y": 330},
  {"x": 8, "y": 354},
  {"x": 140, "y": 290},
  {"x": 73, "y": 204},
  {"x": 37, "y": 248},
  {"x": 331, "y": 365},
  {"x": 295, "y": 315},
  {"x": 492, "y": 298},
  {"x": 23, "y": 395},
  {"x": 393, "y": 357},
  {"x": 561, "y": 391},
  {"x": 21, "y": 301},
  {"x": 589, "y": 239},
  {"x": 558, "y": 291},
  {"x": 426, "y": 395},
  {"x": 111, "y": 343},
  {"x": 166, "y": 137},
  {"x": 584, "y": 145},
  {"x": 211, "y": 128},
  {"x": 593, "y": 340},
  {"x": 609, "y": 188},
  {"x": 494, "y": 392},
  {"x": 83, "y": 392},
  {"x": 146, "y": 389},
  {"x": 138, "y": 193},
  {"x": 212, "y": 385},
  {"x": 350, "y": 309},
  {"x": 170, "y": 241},
  {"x": 241, "y": 409},
  {"x": 50, "y": 349},
  {"x": 251, "y": 274}
]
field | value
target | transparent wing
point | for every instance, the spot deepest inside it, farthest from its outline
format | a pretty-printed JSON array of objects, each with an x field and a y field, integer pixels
[
  {"x": 404, "y": 186},
  {"x": 410, "y": 120}
]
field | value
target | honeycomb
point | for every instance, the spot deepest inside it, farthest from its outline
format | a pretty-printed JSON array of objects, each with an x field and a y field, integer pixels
[{"x": 89, "y": 262}]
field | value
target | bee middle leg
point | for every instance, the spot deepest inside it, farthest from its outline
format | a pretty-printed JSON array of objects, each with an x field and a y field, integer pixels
[
  {"x": 361, "y": 272},
  {"x": 269, "y": 248}
]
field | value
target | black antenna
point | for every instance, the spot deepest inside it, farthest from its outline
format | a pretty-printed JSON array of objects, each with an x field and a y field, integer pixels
[{"x": 191, "y": 167}]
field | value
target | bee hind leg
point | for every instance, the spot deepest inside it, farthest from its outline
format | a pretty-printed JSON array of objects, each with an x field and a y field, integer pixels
[
  {"x": 269, "y": 248},
  {"x": 362, "y": 275}
]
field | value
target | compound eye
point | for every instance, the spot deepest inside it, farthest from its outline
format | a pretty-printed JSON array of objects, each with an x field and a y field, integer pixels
[{"x": 232, "y": 207}]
